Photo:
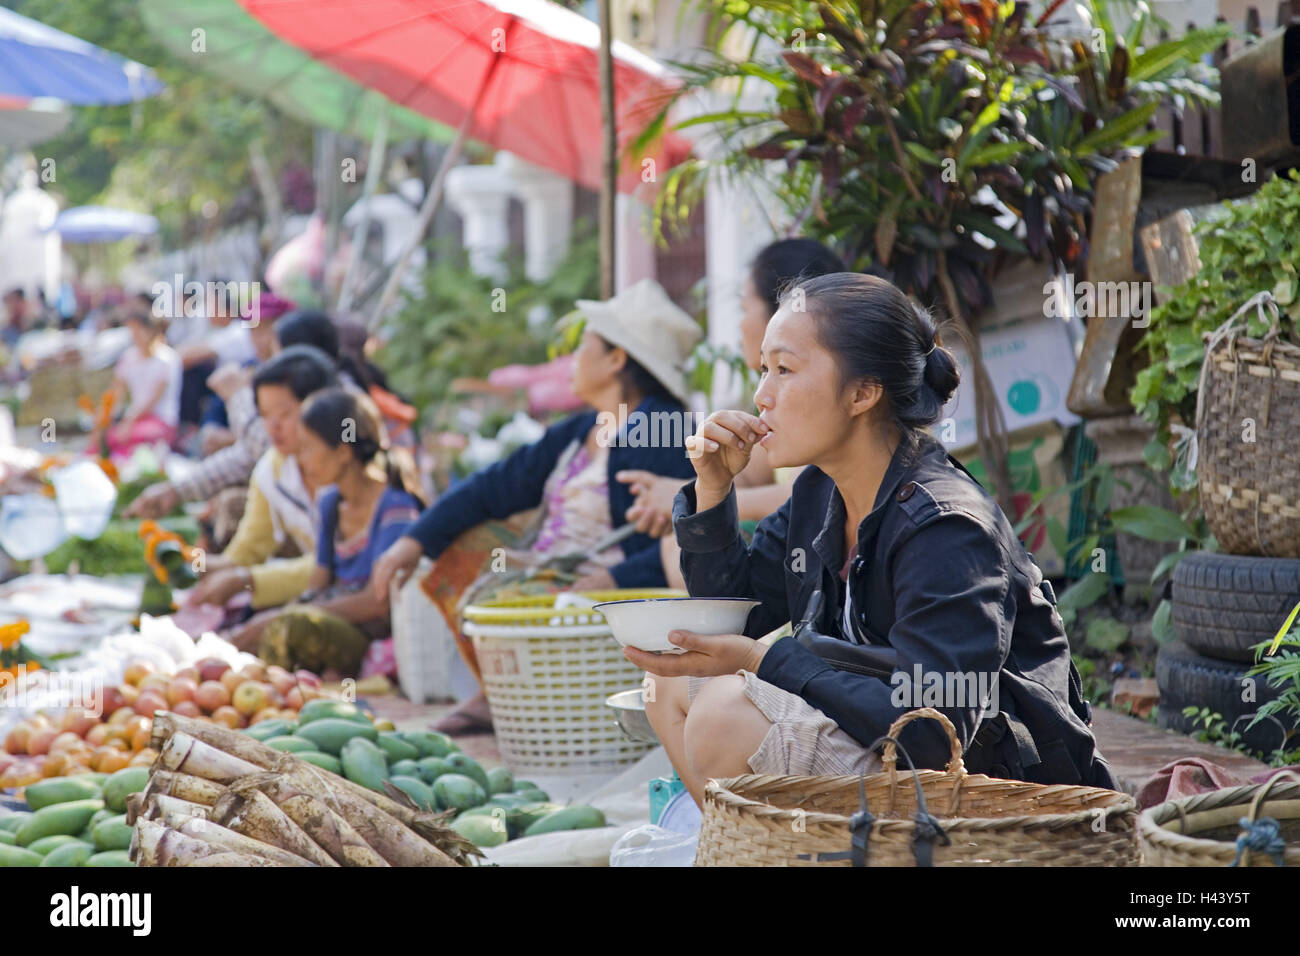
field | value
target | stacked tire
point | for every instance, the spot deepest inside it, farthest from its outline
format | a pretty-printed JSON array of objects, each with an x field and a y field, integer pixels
[{"x": 1224, "y": 606}]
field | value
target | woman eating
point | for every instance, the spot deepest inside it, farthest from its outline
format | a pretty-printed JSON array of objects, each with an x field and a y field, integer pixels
[
  {"x": 758, "y": 492},
  {"x": 886, "y": 548}
]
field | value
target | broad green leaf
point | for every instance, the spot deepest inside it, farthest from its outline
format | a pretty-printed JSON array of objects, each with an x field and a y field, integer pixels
[
  {"x": 1117, "y": 129},
  {"x": 923, "y": 153},
  {"x": 1157, "y": 59},
  {"x": 1085, "y": 592},
  {"x": 1151, "y": 522},
  {"x": 994, "y": 154},
  {"x": 1167, "y": 564},
  {"x": 1056, "y": 534},
  {"x": 1161, "y": 627}
]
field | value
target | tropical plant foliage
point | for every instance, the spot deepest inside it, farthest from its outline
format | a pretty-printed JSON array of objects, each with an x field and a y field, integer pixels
[
  {"x": 1249, "y": 248},
  {"x": 926, "y": 137}
]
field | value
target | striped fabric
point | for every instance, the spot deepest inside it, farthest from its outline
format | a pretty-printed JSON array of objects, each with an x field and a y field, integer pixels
[{"x": 802, "y": 740}]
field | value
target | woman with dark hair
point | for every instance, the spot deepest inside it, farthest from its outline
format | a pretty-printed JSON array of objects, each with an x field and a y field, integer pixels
[
  {"x": 372, "y": 503},
  {"x": 900, "y": 572},
  {"x": 758, "y": 493},
  {"x": 629, "y": 370},
  {"x": 280, "y": 508}
]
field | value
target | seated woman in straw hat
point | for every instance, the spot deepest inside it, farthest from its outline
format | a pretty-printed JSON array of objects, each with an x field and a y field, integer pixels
[
  {"x": 629, "y": 370},
  {"x": 887, "y": 548}
]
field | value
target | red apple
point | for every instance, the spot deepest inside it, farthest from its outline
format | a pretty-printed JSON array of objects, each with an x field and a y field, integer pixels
[
  {"x": 191, "y": 671},
  {"x": 112, "y": 700},
  {"x": 148, "y": 702},
  {"x": 293, "y": 699},
  {"x": 254, "y": 671},
  {"x": 307, "y": 679},
  {"x": 210, "y": 695},
  {"x": 211, "y": 668},
  {"x": 179, "y": 689},
  {"x": 187, "y": 708},
  {"x": 40, "y": 741}
]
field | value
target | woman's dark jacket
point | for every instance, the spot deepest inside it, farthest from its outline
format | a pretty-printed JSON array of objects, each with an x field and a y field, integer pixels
[
  {"x": 652, "y": 439},
  {"x": 941, "y": 577}
]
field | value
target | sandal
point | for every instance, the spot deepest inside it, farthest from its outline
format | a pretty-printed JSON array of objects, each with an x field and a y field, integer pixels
[{"x": 460, "y": 724}]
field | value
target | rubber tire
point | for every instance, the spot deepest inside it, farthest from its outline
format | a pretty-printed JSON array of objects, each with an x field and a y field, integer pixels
[
  {"x": 1223, "y": 604},
  {"x": 1189, "y": 679}
]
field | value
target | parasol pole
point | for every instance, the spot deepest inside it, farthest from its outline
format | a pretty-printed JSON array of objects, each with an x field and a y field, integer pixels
[
  {"x": 378, "y": 147},
  {"x": 609, "y": 153},
  {"x": 434, "y": 197}
]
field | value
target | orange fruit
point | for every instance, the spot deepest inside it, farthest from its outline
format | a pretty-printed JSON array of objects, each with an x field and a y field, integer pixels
[
  {"x": 57, "y": 765},
  {"x": 140, "y": 739}
]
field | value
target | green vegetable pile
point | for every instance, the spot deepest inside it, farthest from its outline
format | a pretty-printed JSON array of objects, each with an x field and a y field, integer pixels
[{"x": 491, "y": 807}]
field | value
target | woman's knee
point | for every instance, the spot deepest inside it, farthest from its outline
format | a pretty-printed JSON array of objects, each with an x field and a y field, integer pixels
[
  {"x": 665, "y": 700},
  {"x": 721, "y": 723}
]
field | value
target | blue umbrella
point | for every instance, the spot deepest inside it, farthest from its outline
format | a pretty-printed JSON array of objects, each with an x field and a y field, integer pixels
[
  {"x": 36, "y": 60},
  {"x": 101, "y": 224}
]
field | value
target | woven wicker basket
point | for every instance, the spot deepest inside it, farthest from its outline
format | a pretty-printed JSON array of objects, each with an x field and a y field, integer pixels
[
  {"x": 1247, "y": 419},
  {"x": 1203, "y": 830},
  {"x": 759, "y": 820}
]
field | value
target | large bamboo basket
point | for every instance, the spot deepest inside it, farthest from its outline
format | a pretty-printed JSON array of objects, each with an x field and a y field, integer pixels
[
  {"x": 1247, "y": 417},
  {"x": 764, "y": 820},
  {"x": 1203, "y": 830}
]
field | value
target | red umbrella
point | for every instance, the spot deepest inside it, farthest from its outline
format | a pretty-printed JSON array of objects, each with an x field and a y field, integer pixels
[
  {"x": 525, "y": 69},
  {"x": 519, "y": 75}
]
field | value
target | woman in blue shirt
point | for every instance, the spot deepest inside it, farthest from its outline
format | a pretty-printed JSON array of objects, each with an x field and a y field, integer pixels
[{"x": 371, "y": 505}]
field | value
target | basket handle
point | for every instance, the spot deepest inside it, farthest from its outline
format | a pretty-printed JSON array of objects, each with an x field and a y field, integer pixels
[
  {"x": 1255, "y": 837},
  {"x": 928, "y": 831},
  {"x": 890, "y": 758},
  {"x": 1260, "y": 300}
]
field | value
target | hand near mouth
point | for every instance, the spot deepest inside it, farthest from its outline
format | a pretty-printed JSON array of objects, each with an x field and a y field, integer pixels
[{"x": 720, "y": 449}]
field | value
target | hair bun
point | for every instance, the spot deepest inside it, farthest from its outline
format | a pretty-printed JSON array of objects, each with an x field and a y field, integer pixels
[{"x": 941, "y": 373}]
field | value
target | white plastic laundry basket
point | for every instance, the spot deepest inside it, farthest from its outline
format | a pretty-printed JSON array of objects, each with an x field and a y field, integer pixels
[{"x": 547, "y": 672}]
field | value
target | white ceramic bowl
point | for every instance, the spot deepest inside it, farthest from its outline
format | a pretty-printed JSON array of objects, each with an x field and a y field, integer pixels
[{"x": 645, "y": 624}]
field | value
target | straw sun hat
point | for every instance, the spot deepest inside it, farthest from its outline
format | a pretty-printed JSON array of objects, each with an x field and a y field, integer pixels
[{"x": 646, "y": 324}]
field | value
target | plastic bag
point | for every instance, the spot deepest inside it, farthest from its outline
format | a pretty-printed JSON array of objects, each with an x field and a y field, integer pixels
[
  {"x": 30, "y": 526},
  {"x": 85, "y": 496},
  {"x": 650, "y": 845}
]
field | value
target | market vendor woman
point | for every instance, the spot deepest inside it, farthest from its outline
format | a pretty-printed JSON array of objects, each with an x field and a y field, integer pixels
[{"x": 885, "y": 541}]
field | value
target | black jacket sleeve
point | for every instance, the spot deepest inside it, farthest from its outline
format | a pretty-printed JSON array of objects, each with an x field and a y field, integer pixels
[{"x": 716, "y": 563}]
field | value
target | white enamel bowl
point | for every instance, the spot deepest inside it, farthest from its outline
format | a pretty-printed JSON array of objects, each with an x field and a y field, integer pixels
[{"x": 644, "y": 624}]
